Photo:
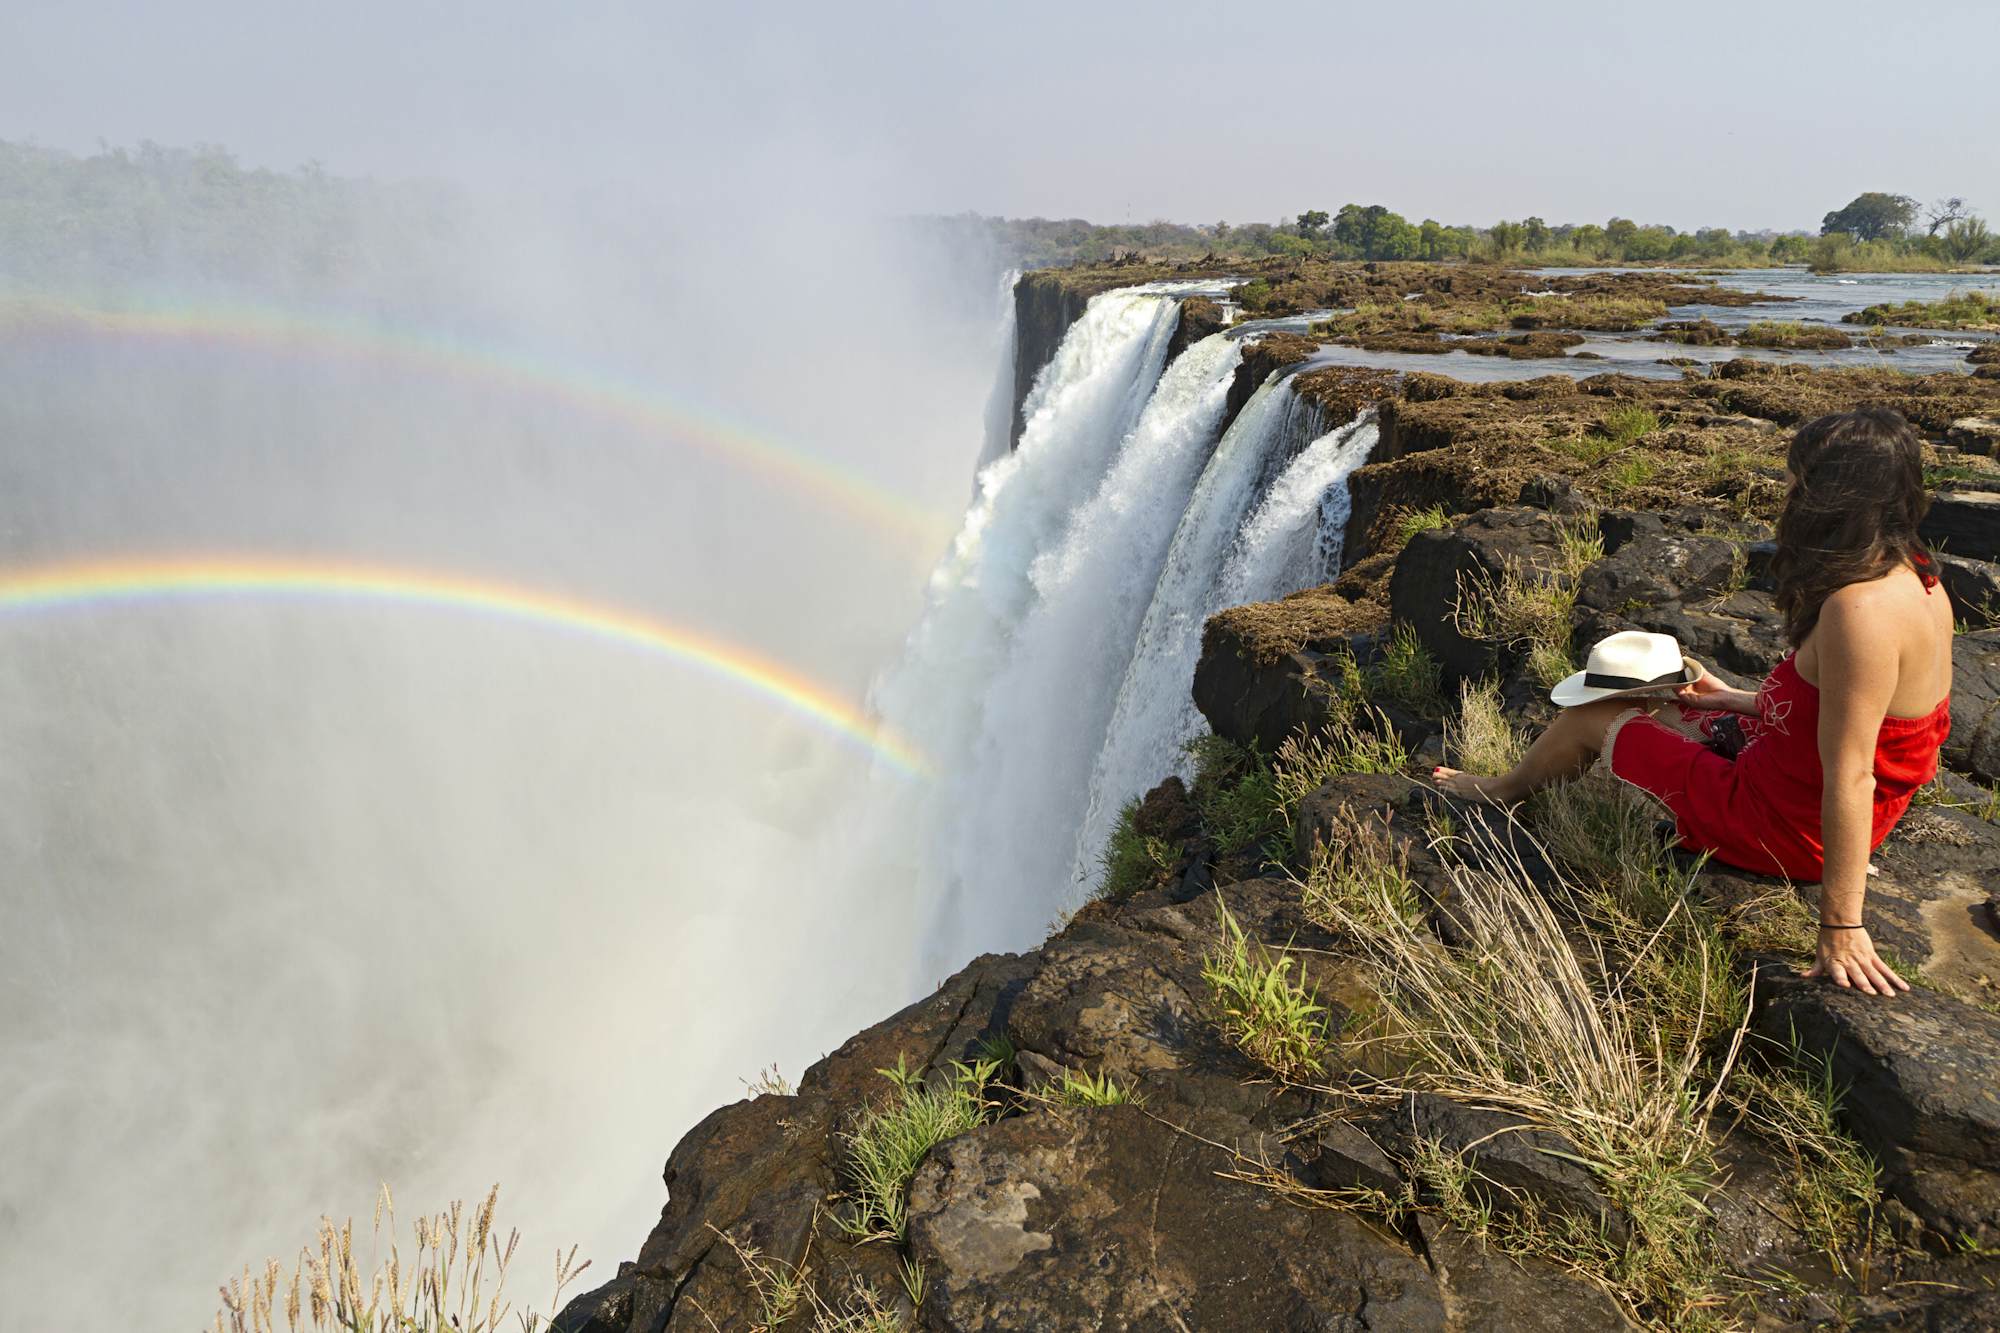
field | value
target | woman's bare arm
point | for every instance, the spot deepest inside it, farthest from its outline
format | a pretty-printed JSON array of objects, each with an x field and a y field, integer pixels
[{"x": 1857, "y": 678}]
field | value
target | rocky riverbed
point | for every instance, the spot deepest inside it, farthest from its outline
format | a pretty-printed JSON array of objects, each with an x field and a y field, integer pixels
[{"x": 1227, "y": 1094}]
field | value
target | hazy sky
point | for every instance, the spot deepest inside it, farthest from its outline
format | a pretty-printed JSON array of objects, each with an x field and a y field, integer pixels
[{"x": 1758, "y": 114}]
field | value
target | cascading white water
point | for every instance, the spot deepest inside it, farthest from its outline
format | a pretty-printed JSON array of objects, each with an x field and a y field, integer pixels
[
  {"x": 1232, "y": 547},
  {"x": 1296, "y": 536},
  {"x": 1083, "y": 405},
  {"x": 1028, "y": 774}
]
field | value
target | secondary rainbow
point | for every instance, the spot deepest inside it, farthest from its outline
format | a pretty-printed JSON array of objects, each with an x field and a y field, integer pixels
[
  {"x": 100, "y": 583},
  {"x": 438, "y": 354}
]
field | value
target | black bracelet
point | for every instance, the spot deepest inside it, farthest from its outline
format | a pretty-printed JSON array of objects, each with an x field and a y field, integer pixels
[{"x": 1856, "y": 926}]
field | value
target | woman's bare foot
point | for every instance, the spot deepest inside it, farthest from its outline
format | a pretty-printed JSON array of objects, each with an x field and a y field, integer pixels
[{"x": 1471, "y": 786}]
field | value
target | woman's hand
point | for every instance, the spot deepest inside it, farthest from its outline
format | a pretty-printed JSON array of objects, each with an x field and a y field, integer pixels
[
  {"x": 1848, "y": 958},
  {"x": 1711, "y": 692}
]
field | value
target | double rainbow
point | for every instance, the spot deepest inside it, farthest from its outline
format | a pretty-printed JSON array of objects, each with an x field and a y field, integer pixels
[
  {"x": 634, "y": 405},
  {"x": 97, "y": 583}
]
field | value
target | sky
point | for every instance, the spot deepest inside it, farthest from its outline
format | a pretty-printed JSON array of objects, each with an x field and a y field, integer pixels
[{"x": 1742, "y": 115}]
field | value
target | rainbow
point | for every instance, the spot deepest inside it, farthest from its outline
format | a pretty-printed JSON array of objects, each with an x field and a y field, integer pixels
[
  {"x": 441, "y": 355},
  {"x": 96, "y": 583}
]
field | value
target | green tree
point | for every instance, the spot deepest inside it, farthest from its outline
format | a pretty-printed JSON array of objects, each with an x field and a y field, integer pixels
[
  {"x": 1649, "y": 243},
  {"x": 1619, "y": 232},
  {"x": 1873, "y": 216},
  {"x": 1431, "y": 239},
  {"x": 1965, "y": 239},
  {"x": 1312, "y": 222},
  {"x": 1791, "y": 248},
  {"x": 1535, "y": 234},
  {"x": 1590, "y": 239},
  {"x": 1507, "y": 237}
]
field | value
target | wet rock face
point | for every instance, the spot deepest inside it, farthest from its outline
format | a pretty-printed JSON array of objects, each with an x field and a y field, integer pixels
[{"x": 1044, "y": 308}]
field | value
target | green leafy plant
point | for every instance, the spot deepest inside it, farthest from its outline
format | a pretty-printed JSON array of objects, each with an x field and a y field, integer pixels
[
  {"x": 1090, "y": 1090},
  {"x": 889, "y": 1141},
  {"x": 1273, "y": 1018}
]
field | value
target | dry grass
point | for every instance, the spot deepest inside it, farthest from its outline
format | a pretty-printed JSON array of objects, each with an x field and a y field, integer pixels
[
  {"x": 1536, "y": 1019},
  {"x": 1482, "y": 740},
  {"x": 451, "y": 1280},
  {"x": 1531, "y": 610},
  {"x": 1362, "y": 877}
]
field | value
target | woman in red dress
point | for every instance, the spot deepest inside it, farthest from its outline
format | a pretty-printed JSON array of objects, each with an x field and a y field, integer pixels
[{"x": 1804, "y": 777}]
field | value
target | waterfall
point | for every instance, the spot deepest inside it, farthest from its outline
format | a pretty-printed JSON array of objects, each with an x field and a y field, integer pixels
[
  {"x": 1234, "y": 545},
  {"x": 1028, "y": 774}
]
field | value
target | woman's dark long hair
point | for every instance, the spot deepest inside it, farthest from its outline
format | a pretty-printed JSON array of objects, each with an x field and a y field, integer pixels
[{"x": 1857, "y": 494}]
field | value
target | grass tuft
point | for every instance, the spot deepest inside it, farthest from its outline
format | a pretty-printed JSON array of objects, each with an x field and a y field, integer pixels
[
  {"x": 889, "y": 1141},
  {"x": 1415, "y": 521},
  {"x": 1090, "y": 1090},
  {"x": 1133, "y": 861},
  {"x": 1530, "y": 1017},
  {"x": 1835, "y": 1186},
  {"x": 1406, "y": 672},
  {"x": 1272, "y": 1018}
]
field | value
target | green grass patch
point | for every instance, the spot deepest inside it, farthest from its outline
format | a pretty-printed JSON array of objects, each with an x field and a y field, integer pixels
[
  {"x": 1090, "y": 1090},
  {"x": 1133, "y": 861},
  {"x": 1272, "y": 1017},
  {"x": 1630, "y": 423},
  {"x": 1414, "y": 521},
  {"x": 889, "y": 1141},
  {"x": 1960, "y": 310},
  {"x": 1406, "y": 672},
  {"x": 1791, "y": 335}
]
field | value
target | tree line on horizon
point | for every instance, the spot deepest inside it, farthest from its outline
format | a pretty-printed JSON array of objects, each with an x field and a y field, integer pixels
[{"x": 1876, "y": 230}]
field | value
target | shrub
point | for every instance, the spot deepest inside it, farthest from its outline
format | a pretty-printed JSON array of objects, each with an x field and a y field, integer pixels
[{"x": 1132, "y": 861}]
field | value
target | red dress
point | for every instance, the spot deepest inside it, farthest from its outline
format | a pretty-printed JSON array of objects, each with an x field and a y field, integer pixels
[{"x": 1760, "y": 810}]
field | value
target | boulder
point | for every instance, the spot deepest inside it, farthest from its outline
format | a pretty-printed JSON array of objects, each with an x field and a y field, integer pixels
[
  {"x": 1425, "y": 588},
  {"x": 1032, "y": 1223},
  {"x": 1975, "y": 435},
  {"x": 1513, "y": 1161},
  {"x": 1199, "y": 318},
  {"x": 1974, "y": 589},
  {"x": 1974, "y": 743},
  {"x": 1922, "y": 1078},
  {"x": 1965, "y": 523},
  {"x": 1659, "y": 568}
]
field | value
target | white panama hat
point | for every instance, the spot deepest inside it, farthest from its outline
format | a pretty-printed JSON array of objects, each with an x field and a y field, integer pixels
[{"x": 1629, "y": 662}]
